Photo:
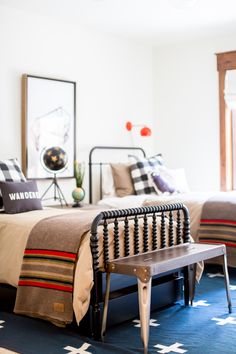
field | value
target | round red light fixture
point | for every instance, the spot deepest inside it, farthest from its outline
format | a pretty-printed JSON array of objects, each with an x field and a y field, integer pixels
[
  {"x": 128, "y": 126},
  {"x": 145, "y": 131}
]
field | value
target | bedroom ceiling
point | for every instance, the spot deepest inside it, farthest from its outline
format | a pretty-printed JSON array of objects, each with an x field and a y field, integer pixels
[{"x": 155, "y": 21}]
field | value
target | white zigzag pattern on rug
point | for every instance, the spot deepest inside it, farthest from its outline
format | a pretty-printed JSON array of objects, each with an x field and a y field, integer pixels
[
  {"x": 224, "y": 321},
  {"x": 200, "y": 303},
  {"x": 81, "y": 350},
  {"x": 174, "y": 348},
  {"x": 213, "y": 275},
  {"x": 1, "y": 322},
  {"x": 151, "y": 323}
]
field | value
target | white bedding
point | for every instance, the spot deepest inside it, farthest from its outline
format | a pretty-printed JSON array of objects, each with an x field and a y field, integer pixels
[
  {"x": 130, "y": 201},
  {"x": 193, "y": 200}
]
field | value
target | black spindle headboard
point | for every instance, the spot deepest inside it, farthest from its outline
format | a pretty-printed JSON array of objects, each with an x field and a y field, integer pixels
[{"x": 93, "y": 163}]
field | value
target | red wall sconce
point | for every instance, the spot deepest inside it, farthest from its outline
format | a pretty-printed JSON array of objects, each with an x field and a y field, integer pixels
[{"x": 144, "y": 131}]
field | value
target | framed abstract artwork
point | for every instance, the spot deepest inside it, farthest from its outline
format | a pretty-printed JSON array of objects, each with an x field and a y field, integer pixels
[{"x": 48, "y": 125}]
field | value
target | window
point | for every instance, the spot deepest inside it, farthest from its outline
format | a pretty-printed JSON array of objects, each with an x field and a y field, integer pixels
[{"x": 226, "y": 65}]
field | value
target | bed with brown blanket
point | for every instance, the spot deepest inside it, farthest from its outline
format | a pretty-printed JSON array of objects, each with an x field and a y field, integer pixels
[
  {"x": 212, "y": 213},
  {"x": 218, "y": 223},
  {"x": 50, "y": 242},
  {"x": 55, "y": 259}
]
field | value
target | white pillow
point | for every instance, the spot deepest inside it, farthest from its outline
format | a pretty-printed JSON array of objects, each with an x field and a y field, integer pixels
[
  {"x": 108, "y": 186},
  {"x": 175, "y": 177}
]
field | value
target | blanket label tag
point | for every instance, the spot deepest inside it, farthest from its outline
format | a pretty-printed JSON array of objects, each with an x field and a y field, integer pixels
[{"x": 58, "y": 307}]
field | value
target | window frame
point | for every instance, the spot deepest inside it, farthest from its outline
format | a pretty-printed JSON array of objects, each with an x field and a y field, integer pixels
[{"x": 225, "y": 61}]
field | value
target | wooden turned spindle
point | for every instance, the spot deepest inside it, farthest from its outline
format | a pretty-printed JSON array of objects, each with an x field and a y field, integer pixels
[
  {"x": 163, "y": 230},
  {"x": 105, "y": 243},
  {"x": 145, "y": 233},
  {"x": 136, "y": 235},
  {"x": 126, "y": 239},
  {"x": 116, "y": 239},
  {"x": 179, "y": 228},
  {"x": 171, "y": 229},
  {"x": 154, "y": 232}
]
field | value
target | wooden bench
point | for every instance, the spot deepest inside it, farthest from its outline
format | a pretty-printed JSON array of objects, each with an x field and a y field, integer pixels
[{"x": 144, "y": 266}]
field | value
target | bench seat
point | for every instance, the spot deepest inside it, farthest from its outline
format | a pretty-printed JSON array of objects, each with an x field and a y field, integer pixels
[{"x": 146, "y": 265}]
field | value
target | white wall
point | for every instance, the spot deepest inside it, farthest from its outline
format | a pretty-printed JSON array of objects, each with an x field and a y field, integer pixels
[
  {"x": 186, "y": 108},
  {"x": 116, "y": 79},
  {"x": 113, "y": 75}
]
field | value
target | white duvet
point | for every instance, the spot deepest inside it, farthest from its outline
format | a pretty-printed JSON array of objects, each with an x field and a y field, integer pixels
[{"x": 193, "y": 200}]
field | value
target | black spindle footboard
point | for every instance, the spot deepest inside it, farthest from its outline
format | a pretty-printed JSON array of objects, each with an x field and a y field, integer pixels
[{"x": 141, "y": 218}]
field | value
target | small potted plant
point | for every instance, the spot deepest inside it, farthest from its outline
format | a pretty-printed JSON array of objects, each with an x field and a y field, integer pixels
[{"x": 78, "y": 193}]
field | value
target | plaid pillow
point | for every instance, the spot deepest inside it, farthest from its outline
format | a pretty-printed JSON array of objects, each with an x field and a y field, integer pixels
[
  {"x": 140, "y": 169},
  {"x": 10, "y": 171}
]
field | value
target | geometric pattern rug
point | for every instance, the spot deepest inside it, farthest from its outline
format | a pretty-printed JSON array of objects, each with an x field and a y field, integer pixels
[{"x": 204, "y": 328}]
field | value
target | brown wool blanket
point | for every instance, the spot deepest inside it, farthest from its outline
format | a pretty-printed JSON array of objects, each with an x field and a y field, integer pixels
[
  {"x": 45, "y": 288},
  {"x": 218, "y": 220}
]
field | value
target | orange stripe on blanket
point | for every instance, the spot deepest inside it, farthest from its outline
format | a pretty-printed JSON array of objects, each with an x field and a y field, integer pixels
[
  {"x": 51, "y": 253},
  {"x": 45, "y": 285},
  {"x": 217, "y": 221}
]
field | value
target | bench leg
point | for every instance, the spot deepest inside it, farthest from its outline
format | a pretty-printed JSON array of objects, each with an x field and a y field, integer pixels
[
  {"x": 226, "y": 278},
  {"x": 186, "y": 285},
  {"x": 105, "y": 309},
  {"x": 144, "y": 298},
  {"x": 192, "y": 281}
]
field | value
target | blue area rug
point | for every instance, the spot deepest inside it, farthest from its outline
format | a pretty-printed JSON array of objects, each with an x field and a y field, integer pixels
[{"x": 204, "y": 328}]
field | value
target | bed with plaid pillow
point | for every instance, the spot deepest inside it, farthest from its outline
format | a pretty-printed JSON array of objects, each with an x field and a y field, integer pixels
[
  {"x": 140, "y": 169},
  {"x": 10, "y": 171}
]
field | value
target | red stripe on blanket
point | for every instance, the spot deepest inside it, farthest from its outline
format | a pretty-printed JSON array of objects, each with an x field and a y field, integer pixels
[
  {"x": 51, "y": 253},
  {"x": 229, "y": 244},
  {"x": 45, "y": 285},
  {"x": 217, "y": 221}
]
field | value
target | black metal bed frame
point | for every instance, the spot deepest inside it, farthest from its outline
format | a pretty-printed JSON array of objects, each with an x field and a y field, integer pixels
[
  {"x": 103, "y": 163},
  {"x": 141, "y": 216}
]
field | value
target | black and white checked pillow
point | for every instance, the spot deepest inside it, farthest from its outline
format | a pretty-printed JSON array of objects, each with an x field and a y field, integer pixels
[
  {"x": 10, "y": 171},
  {"x": 140, "y": 169}
]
